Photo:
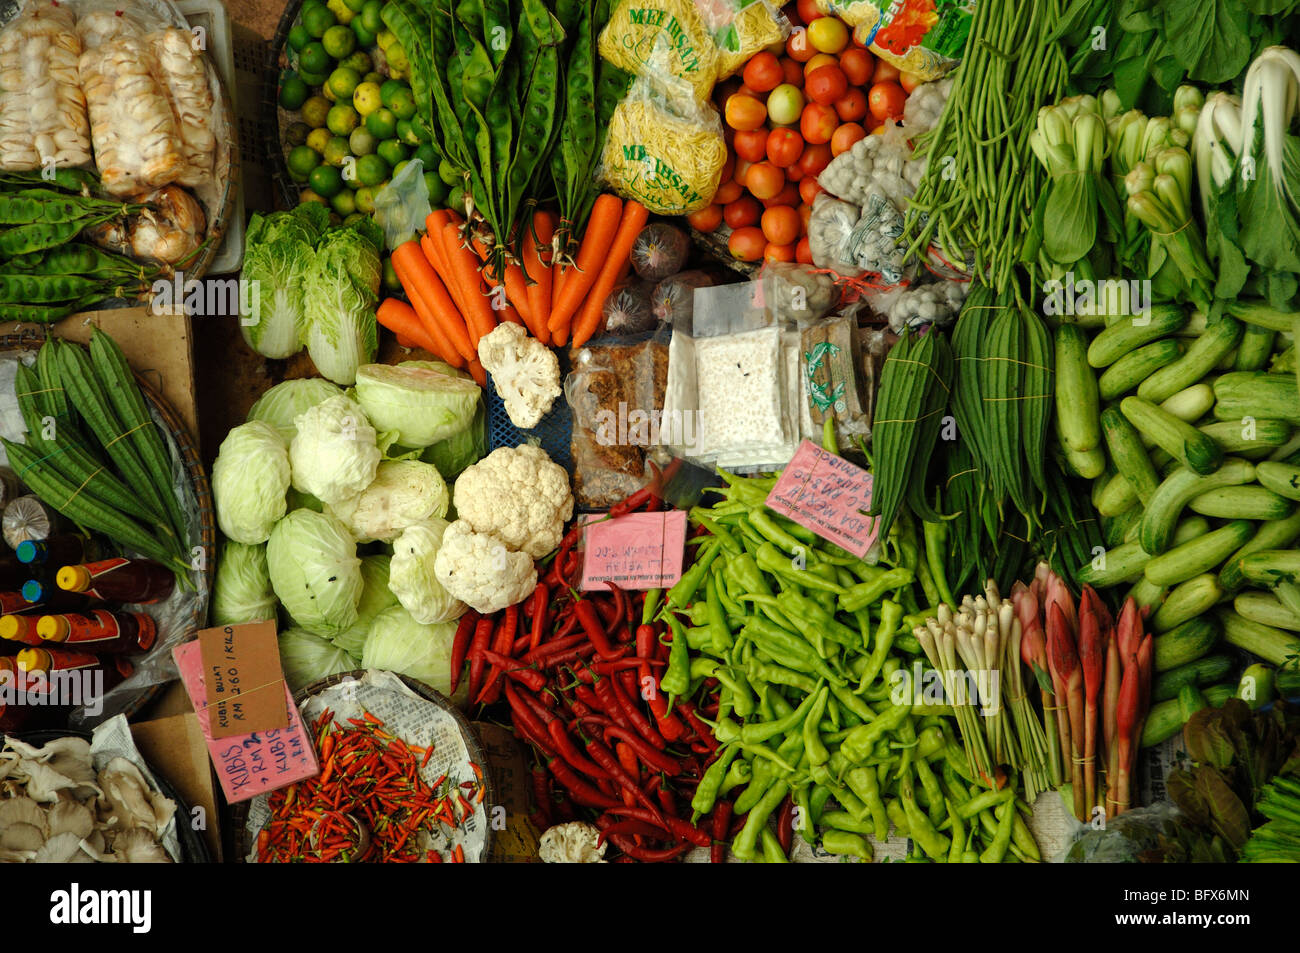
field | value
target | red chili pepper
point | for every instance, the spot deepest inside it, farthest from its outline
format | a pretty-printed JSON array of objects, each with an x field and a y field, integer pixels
[
  {"x": 594, "y": 721},
  {"x": 482, "y": 637},
  {"x": 539, "y": 708},
  {"x": 608, "y": 613},
  {"x": 627, "y": 758},
  {"x": 701, "y": 729},
  {"x": 587, "y": 697},
  {"x": 785, "y": 825},
  {"x": 620, "y": 603},
  {"x": 556, "y": 646},
  {"x": 460, "y": 645},
  {"x": 646, "y": 855},
  {"x": 630, "y": 828},
  {"x": 633, "y": 502},
  {"x": 609, "y": 704},
  {"x": 681, "y": 830},
  {"x": 563, "y": 552},
  {"x": 569, "y": 751},
  {"x": 652, "y": 758},
  {"x": 624, "y": 692},
  {"x": 501, "y": 644},
  {"x": 605, "y": 758},
  {"x": 541, "y": 599},
  {"x": 579, "y": 653},
  {"x": 527, "y": 724},
  {"x": 645, "y": 641},
  {"x": 578, "y": 789},
  {"x": 622, "y": 665},
  {"x": 721, "y": 823},
  {"x": 530, "y": 677},
  {"x": 591, "y": 624}
]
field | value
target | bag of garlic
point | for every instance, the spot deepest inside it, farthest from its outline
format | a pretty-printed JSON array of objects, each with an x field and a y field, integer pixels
[
  {"x": 937, "y": 302},
  {"x": 42, "y": 108}
]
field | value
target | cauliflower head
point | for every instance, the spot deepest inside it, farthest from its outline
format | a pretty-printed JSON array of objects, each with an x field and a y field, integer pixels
[
  {"x": 411, "y": 578},
  {"x": 525, "y": 372},
  {"x": 480, "y": 570},
  {"x": 575, "y": 842},
  {"x": 519, "y": 495},
  {"x": 334, "y": 455},
  {"x": 404, "y": 493}
]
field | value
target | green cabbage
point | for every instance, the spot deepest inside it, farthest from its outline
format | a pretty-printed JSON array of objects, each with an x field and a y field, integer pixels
[
  {"x": 397, "y": 643},
  {"x": 461, "y": 450},
  {"x": 305, "y": 658},
  {"x": 341, "y": 292},
  {"x": 276, "y": 260},
  {"x": 283, "y": 402},
  {"x": 315, "y": 571},
  {"x": 242, "y": 589},
  {"x": 375, "y": 598},
  {"x": 415, "y": 399},
  {"x": 249, "y": 480}
]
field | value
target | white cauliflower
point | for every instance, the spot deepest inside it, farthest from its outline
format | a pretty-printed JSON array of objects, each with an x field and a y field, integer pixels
[
  {"x": 571, "y": 843},
  {"x": 525, "y": 372},
  {"x": 411, "y": 576},
  {"x": 404, "y": 493},
  {"x": 519, "y": 495},
  {"x": 480, "y": 570},
  {"x": 334, "y": 454}
]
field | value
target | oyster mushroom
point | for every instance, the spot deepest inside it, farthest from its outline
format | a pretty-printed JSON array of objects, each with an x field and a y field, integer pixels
[
  {"x": 138, "y": 847},
  {"x": 126, "y": 800},
  {"x": 60, "y": 849},
  {"x": 22, "y": 836},
  {"x": 21, "y": 810},
  {"x": 70, "y": 817}
]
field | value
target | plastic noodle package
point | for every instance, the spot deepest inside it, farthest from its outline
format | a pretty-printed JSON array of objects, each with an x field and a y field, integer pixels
[
  {"x": 740, "y": 28},
  {"x": 42, "y": 109},
  {"x": 924, "y": 37},
  {"x": 662, "y": 41}
]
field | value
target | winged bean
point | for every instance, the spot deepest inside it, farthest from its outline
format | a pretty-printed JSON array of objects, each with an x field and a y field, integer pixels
[
  {"x": 47, "y": 289},
  {"x": 45, "y": 313}
]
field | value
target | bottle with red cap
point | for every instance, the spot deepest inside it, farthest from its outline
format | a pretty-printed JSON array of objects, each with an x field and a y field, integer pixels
[
  {"x": 137, "y": 581},
  {"x": 99, "y": 631}
]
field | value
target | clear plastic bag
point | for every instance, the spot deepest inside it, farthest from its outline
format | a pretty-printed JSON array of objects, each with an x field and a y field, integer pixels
[
  {"x": 660, "y": 250},
  {"x": 628, "y": 308},
  {"x": 796, "y": 294},
  {"x": 402, "y": 205},
  {"x": 42, "y": 109},
  {"x": 831, "y": 375},
  {"x": 667, "y": 43},
  {"x": 673, "y": 301}
]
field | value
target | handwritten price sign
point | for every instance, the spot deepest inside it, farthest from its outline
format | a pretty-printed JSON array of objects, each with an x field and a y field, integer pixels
[
  {"x": 828, "y": 495},
  {"x": 638, "y": 551}
]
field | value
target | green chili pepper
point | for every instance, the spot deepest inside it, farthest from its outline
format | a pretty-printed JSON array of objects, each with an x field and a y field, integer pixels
[
  {"x": 958, "y": 834},
  {"x": 780, "y": 675},
  {"x": 869, "y": 593},
  {"x": 997, "y": 850},
  {"x": 812, "y": 741},
  {"x": 756, "y": 820},
  {"x": 721, "y": 635},
  {"x": 774, "y": 561},
  {"x": 829, "y": 443},
  {"x": 890, "y": 614},
  {"x": 798, "y": 608},
  {"x": 729, "y": 542},
  {"x": 706, "y": 792},
  {"x": 788, "y": 649},
  {"x": 804, "y": 824},
  {"x": 772, "y": 852},
  {"x": 927, "y": 582},
  {"x": 921, "y": 830},
  {"x": 677, "y": 678},
  {"x": 860, "y": 741},
  {"x": 1022, "y": 839},
  {"x": 894, "y": 808},
  {"x": 740, "y": 772},
  {"x": 817, "y": 802},
  {"x": 651, "y": 606},
  {"x": 741, "y": 699},
  {"x": 863, "y": 783},
  {"x": 936, "y": 552},
  {"x": 758, "y": 732},
  {"x": 683, "y": 591},
  {"x": 781, "y": 707},
  {"x": 982, "y": 802},
  {"x": 852, "y": 703},
  {"x": 730, "y": 607},
  {"x": 930, "y": 785},
  {"x": 846, "y": 844},
  {"x": 703, "y": 667},
  {"x": 764, "y": 773},
  {"x": 744, "y": 569}
]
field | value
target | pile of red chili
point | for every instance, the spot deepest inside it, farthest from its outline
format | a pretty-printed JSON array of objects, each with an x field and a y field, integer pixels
[{"x": 368, "y": 804}]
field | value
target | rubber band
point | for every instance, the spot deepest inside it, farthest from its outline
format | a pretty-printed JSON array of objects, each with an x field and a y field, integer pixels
[
  {"x": 908, "y": 360},
  {"x": 909, "y": 420},
  {"x": 43, "y": 390},
  {"x": 78, "y": 490},
  {"x": 127, "y": 434},
  {"x": 1053, "y": 708},
  {"x": 248, "y": 691},
  {"x": 1009, "y": 360},
  {"x": 998, "y": 400},
  {"x": 1174, "y": 232}
]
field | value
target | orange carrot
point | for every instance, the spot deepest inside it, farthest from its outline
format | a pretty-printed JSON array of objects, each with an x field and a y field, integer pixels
[
  {"x": 462, "y": 267},
  {"x": 476, "y": 371},
  {"x": 400, "y": 318},
  {"x": 499, "y": 298},
  {"x": 432, "y": 248},
  {"x": 408, "y": 259},
  {"x": 602, "y": 226},
  {"x": 618, "y": 261},
  {"x": 433, "y": 330},
  {"x": 517, "y": 291},
  {"x": 539, "y": 271}
]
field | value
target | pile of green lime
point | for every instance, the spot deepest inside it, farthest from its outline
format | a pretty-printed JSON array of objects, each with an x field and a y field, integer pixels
[{"x": 350, "y": 85}]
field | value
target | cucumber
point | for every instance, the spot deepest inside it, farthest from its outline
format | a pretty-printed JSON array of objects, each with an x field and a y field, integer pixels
[
  {"x": 1185, "y": 443},
  {"x": 1248, "y": 502},
  {"x": 1273, "y": 535},
  {"x": 1135, "y": 367},
  {"x": 1266, "y": 566},
  {"x": 1116, "y": 530},
  {"x": 1190, "y": 403},
  {"x": 1265, "y": 641},
  {"x": 1089, "y": 464},
  {"x": 1126, "y": 561},
  {"x": 1147, "y": 595},
  {"x": 1164, "y": 719},
  {"x": 1255, "y": 349},
  {"x": 1190, "y": 701},
  {"x": 1130, "y": 333},
  {"x": 1116, "y": 497},
  {"x": 1256, "y": 685},
  {"x": 1185, "y": 643},
  {"x": 1232, "y": 436},
  {"x": 1206, "y": 351},
  {"x": 1198, "y": 555},
  {"x": 1266, "y": 609},
  {"x": 1128, "y": 454},
  {"x": 1257, "y": 394},
  {"x": 1174, "y": 492},
  {"x": 1187, "y": 601},
  {"x": 1281, "y": 478},
  {"x": 1203, "y": 671},
  {"x": 1262, "y": 316},
  {"x": 1077, "y": 407}
]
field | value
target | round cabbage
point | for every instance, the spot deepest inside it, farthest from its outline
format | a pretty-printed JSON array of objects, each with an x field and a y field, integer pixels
[
  {"x": 281, "y": 405},
  {"x": 375, "y": 598},
  {"x": 411, "y": 578},
  {"x": 242, "y": 589},
  {"x": 315, "y": 571},
  {"x": 417, "y": 400},
  {"x": 334, "y": 454},
  {"x": 398, "y": 643},
  {"x": 249, "y": 480},
  {"x": 404, "y": 493},
  {"x": 304, "y": 658}
]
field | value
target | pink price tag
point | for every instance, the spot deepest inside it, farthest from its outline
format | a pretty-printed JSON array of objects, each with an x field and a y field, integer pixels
[
  {"x": 252, "y": 764},
  {"x": 637, "y": 551},
  {"x": 825, "y": 493}
]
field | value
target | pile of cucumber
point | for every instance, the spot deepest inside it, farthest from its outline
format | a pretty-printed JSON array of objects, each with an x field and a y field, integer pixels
[{"x": 1193, "y": 447}]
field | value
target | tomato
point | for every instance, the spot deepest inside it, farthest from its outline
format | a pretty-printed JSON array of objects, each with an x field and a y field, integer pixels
[
  {"x": 815, "y": 158},
  {"x": 751, "y": 145},
  {"x": 817, "y": 62},
  {"x": 764, "y": 180},
  {"x": 706, "y": 219},
  {"x": 728, "y": 192},
  {"x": 886, "y": 100},
  {"x": 728, "y": 168},
  {"x": 742, "y": 169},
  {"x": 857, "y": 64},
  {"x": 747, "y": 244},
  {"x": 828, "y": 34},
  {"x": 817, "y": 123},
  {"x": 744, "y": 211},
  {"x": 909, "y": 81},
  {"x": 798, "y": 47},
  {"x": 826, "y": 84},
  {"x": 885, "y": 72},
  {"x": 781, "y": 225},
  {"x": 745, "y": 112},
  {"x": 852, "y": 106},
  {"x": 793, "y": 71},
  {"x": 805, "y": 216},
  {"x": 794, "y": 174},
  {"x": 784, "y": 146},
  {"x": 775, "y": 252},
  {"x": 803, "y": 252},
  {"x": 808, "y": 189},
  {"x": 808, "y": 10},
  {"x": 784, "y": 104},
  {"x": 789, "y": 195},
  {"x": 763, "y": 72},
  {"x": 845, "y": 136}
]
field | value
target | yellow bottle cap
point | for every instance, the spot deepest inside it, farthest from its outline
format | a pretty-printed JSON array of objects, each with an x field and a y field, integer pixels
[
  {"x": 34, "y": 660},
  {"x": 73, "y": 578},
  {"x": 14, "y": 627},
  {"x": 53, "y": 628}
]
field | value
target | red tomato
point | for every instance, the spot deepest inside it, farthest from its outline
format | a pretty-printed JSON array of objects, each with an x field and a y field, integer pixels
[
  {"x": 886, "y": 100},
  {"x": 742, "y": 169},
  {"x": 744, "y": 211},
  {"x": 909, "y": 81},
  {"x": 706, "y": 219},
  {"x": 728, "y": 168},
  {"x": 728, "y": 192},
  {"x": 826, "y": 84},
  {"x": 798, "y": 47},
  {"x": 789, "y": 195},
  {"x": 793, "y": 71},
  {"x": 747, "y": 244},
  {"x": 775, "y": 252},
  {"x": 885, "y": 72},
  {"x": 794, "y": 174},
  {"x": 745, "y": 112},
  {"x": 852, "y": 106},
  {"x": 815, "y": 158},
  {"x": 845, "y": 136},
  {"x": 781, "y": 225},
  {"x": 764, "y": 180},
  {"x": 784, "y": 146},
  {"x": 818, "y": 61},
  {"x": 751, "y": 145},
  {"x": 808, "y": 189},
  {"x": 805, "y": 216},
  {"x": 803, "y": 252},
  {"x": 857, "y": 64},
  {"x": 817, "y": 123},
  {"x": 763, "y": 72},
  {"x": 808, "y": 10}
]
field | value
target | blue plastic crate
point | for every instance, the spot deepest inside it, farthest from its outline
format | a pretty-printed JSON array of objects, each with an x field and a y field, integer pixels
[{"x": 554, "y": 434}]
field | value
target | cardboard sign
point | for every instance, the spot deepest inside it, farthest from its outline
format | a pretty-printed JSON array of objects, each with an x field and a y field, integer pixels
[
  {"x": 243, "y": 680},
  {"x": 258, "y": 762},
  {"x": 637, "y": 551},
  {"x": 825, "y": 493}
]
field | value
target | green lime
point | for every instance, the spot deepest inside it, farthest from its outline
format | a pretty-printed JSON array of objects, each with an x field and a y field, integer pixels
[
  {"x": 361, "y": 142},
  {"x": 371, "y": 170},
  {"x": 317, "y": 19},
  {"x": 297, "y": 133},
  {"x": 456, "y": 197},
  {"x": 392, "y": 151},
  {"x": 302, "y": 160},
  {"x": 365, "y": 197},
  {"x": 336, "y": 151},
  {"x": 327, "y": 92},
  {"x": 339, "y": 42},
  {"x": 421, "y": 133},
  {"x": 428, "y": 158},
  {"x": 342, "y": 119},
  {"x": 343, "y": 83},
  {"x": 315, "y": 111},
  {"x": 366, "y": 98},
  {"x": 318, "y": 139},
  {"x": 403, "y": 104},
  {"x": 389, "y": 87},
  {"x": 326, "y": 181},
  {"x": 359, "y": 61},
  {"x": 382, "y": 123},
  {"x": 385, "y": 39},
  {"x": 448, "y": 173},
  {"x": 314, "y": 80},
  {"x": 293, "y": 92},
  {"x": 373, "y": 77},
  {"x": 312, "y": 58},
  {"x": 371, "y": 17},
  {"x": 365, "y": 39},
  {"x": 307, "y": 195},
  {"x": 341, "y": 11},
  {"x": 398, "y": 63},
  {"x": 406, "y": 132},
  {"x": 389, "y": 279},
  {"x": 436, "y": 188},
  {"x": 345, "y": 203},
  {"x": 397, "y": 169},
  {"x": 355, "y": 5},
  {"x": 298, "y": 37}
]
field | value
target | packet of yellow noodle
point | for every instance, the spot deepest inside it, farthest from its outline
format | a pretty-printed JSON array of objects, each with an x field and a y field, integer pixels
[{"x": 662, "y": 40}]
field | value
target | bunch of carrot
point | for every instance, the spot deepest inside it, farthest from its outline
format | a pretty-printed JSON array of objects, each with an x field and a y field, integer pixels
[
  {"x": 454, "y": 302},
  {"x": 1100, "y": 673}
]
